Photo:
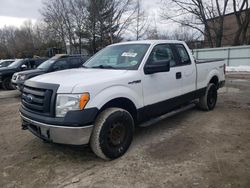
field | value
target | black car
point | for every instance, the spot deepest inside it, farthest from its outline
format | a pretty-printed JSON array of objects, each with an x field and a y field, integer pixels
[
  {"x": 6, "y": 62},
  {"x": 18, "y": 65},
  {"x": 56, "y": 63}
]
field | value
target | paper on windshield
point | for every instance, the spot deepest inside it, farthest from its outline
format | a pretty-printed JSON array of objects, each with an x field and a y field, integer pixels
[{"x": 129, "y": 54}]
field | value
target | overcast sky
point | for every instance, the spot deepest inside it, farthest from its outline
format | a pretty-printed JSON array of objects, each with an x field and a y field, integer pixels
[{"x": 15, "y": 12}]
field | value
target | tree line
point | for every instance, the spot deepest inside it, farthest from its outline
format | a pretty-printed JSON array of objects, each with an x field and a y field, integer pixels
[{"x": 80, "y": 26}]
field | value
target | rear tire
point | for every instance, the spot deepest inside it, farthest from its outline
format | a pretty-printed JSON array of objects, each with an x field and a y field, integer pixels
[
  {"x": 6, "y": 84},
  {"x": 208, "y": 101},
  {"x": 112, "y": 134}
]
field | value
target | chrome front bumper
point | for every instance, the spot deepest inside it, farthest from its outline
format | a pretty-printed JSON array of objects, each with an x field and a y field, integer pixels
[{"x": 58, "y": 134}]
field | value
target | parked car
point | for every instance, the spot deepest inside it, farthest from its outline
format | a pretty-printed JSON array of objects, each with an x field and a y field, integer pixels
[
  {"x": 56, "y": 63},
  {"x": 6, "y": 62},
  {"x": 16, "y": 66},
  {"x": 120, "y": 87}
]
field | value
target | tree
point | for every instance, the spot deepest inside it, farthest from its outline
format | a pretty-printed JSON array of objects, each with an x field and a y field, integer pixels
[
  {"x": 140, "y": 25},
  {"x": 199, "y": 15},
  {"x": 26, "y": 41},
  {"x": 241, "y": 10},
  {"x": 106, "y": 21},
  {"x": 89, "y": 23},
  {"x": 152, "y": 31},
  {"x": 54, "y": 16},
  {"x": 79, "y": 14}
]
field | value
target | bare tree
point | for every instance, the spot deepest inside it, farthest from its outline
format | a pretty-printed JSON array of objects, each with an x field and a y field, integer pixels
[
  {"x": 241, "y": 10},
  {"x": 152, "y": 31},
  {"x": 106, "y": 21},
  {"x": 141, "y": 24},
  {"x": 78, "y": 11},
  {"x": 26, "y": 41},
  {"x": 199, "y": 15},
  {"x": 54, "y": 16}
]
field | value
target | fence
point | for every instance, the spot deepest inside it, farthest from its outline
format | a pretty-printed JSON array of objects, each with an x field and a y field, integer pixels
[{"x": 235, "y": 56}]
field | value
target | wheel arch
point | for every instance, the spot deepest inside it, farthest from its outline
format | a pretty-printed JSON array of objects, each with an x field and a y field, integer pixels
[
  {"x": 215, "y": 81},
  {"x": 121, "y": 102},
  {"x": 213, "y": 77}
]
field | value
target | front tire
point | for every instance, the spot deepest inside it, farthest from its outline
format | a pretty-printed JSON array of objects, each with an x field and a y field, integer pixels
[
  {"x": 208, "y": 101},
  {"x": 6, "y": 84},
  {"x": 112, "y": 134}
]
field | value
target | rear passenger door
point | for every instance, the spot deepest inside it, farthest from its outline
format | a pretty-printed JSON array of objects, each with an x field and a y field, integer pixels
[{"x": 188, "y": 69}]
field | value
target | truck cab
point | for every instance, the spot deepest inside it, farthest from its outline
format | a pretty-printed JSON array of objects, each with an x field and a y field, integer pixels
[{"x": 120, "y": 87}]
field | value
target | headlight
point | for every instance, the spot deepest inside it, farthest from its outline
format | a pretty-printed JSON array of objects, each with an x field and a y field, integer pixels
[
  {"x": 70, "y": 102},
  {"x": 21, "y": 77}
]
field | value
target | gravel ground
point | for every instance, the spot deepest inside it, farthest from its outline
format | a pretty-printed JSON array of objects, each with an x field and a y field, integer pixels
[{"x": 191, "y": 149}]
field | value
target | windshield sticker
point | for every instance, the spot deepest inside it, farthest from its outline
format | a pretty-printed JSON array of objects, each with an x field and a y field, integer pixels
[
  {"x": 133, "y": 62},
  {"x": 129, "y": 54}
]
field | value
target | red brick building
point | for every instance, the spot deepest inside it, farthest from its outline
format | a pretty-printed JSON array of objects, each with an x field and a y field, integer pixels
[{"x": 230, "y": 28}]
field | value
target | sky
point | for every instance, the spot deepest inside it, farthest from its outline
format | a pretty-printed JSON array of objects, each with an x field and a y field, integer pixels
[{"x": 15, "y": 12}]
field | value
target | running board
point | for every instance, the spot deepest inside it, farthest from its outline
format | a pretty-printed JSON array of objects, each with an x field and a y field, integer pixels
[{"x": 169, "y": 114}]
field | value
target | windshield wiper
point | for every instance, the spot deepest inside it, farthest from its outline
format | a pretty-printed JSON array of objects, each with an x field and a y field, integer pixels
[{"x": 103, "y": 67}]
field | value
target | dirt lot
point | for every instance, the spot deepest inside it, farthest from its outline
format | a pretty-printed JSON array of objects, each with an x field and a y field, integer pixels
[{"x": 191, "y": 149}]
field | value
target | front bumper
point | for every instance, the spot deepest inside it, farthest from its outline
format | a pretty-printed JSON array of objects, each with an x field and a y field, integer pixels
[
  {"x": 58, "y": 134},
  {"x": 18, "y": 84}
]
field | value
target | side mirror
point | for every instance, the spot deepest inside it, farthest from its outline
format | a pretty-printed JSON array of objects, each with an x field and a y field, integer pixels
[
  {"x": 23, "y": 67},
  {"x": 158, "y": 66}
]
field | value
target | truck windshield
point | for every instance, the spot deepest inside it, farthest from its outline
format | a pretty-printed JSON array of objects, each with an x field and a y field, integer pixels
[
  {"x": 16, "y": 63},
  {"x": 124, "y": 56},
  {"x": 46, "y": 64}
]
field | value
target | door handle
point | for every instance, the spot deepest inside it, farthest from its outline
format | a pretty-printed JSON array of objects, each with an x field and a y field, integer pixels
[{"x": 178, "y": 75}]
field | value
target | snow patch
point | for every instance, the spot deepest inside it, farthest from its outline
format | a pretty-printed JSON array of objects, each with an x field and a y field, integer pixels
[{"x": 238, "y": 69}]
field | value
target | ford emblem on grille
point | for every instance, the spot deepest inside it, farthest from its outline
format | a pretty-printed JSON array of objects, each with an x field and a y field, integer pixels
[{"x": 29, "y": 98}]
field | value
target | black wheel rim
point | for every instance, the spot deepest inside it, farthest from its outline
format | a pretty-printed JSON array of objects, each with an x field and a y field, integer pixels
[
  {"x": 117, "y": 134},
  {"x": 212, "y": 97}
]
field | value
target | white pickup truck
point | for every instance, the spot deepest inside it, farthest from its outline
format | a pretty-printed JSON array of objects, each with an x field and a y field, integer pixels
[{"x": 120, "y": 87}]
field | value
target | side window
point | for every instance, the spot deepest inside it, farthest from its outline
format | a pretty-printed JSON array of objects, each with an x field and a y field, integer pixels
[
  {"x": 27, "y": 64},
  {"x": 60, "y": 65},
  {"x": 183, "y": 55},
  {"x": 162, "y": 52},
  {"x": 75, "y": 63},
  {"x": 32, "y": 64}
]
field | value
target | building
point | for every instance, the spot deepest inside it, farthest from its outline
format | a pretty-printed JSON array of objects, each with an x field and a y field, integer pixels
[{"x": 230, "y": 28}]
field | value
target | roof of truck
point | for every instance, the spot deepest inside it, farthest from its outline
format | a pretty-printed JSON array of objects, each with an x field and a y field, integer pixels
[{"x": 150, "y": 42}]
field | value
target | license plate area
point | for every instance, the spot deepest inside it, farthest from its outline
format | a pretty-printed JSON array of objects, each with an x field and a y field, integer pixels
[{"x": 41, "y": 132}]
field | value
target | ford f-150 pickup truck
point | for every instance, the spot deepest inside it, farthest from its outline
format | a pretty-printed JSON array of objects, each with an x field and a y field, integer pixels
[{"x": 122, "y": 86}]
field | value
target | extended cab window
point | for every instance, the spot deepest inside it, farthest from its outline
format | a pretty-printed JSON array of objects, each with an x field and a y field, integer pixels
[
  {"x": 75, "y": 62},
  {"x": 32, "y": 64},
  {"x": 60, "y": 65},
  {"x": 162, "y": 52},
  {"x": 183, "y": 55}
]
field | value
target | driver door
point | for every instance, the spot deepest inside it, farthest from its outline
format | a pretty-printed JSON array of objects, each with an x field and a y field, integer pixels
[{"x": 160, "y": 89}]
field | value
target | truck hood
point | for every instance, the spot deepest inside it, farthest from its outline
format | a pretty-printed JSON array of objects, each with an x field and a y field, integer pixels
[
  {"x": 81, "y": 77},
  {"x": 31, "y": 73},
  {"x": 28, "y": 72}
]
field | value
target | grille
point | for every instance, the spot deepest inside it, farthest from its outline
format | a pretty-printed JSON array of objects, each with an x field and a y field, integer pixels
[{"x": 37, "y": 99}]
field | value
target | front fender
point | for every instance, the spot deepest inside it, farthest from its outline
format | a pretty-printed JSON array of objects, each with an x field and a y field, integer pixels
[{"x": 113, "y": 92}]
